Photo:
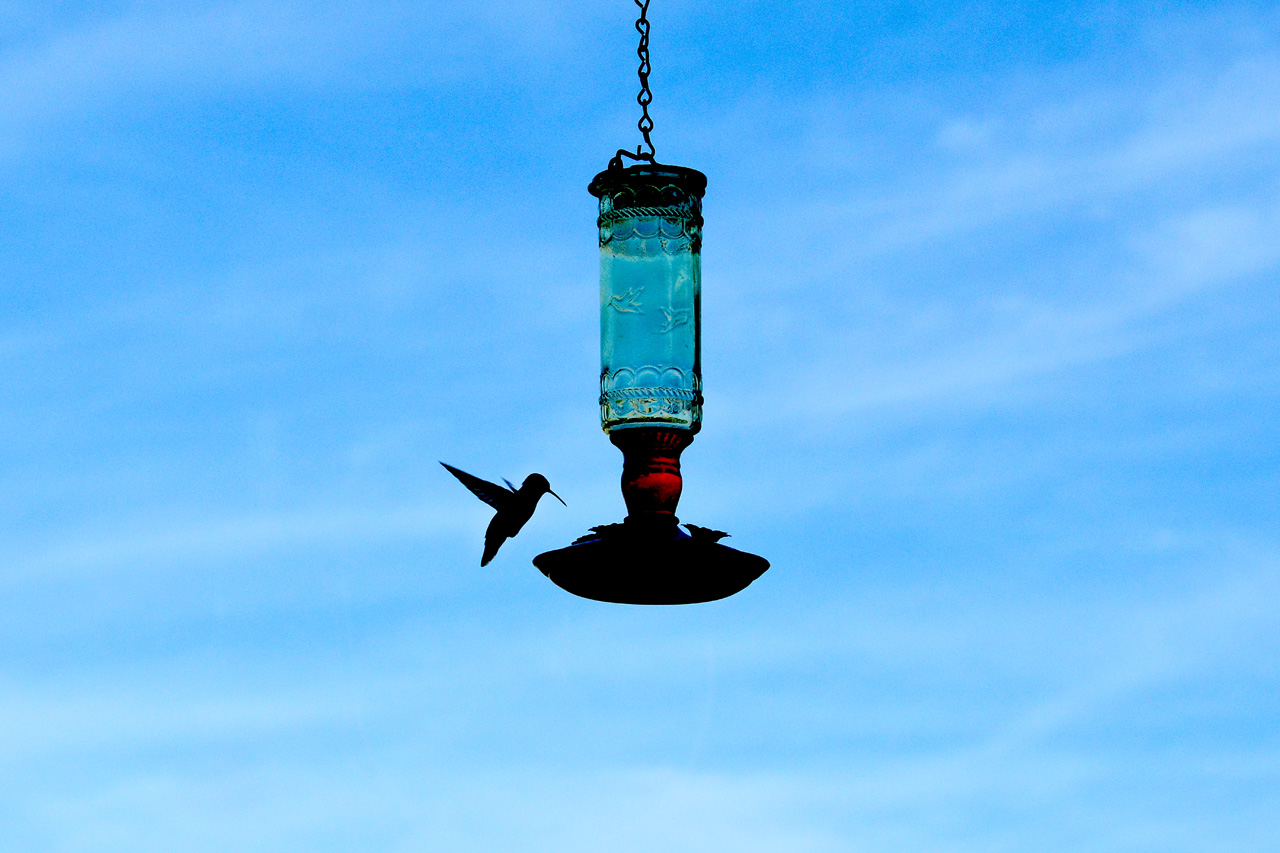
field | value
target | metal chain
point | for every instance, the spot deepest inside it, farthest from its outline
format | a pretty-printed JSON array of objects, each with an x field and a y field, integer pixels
[{"x": 645, "y": 98}]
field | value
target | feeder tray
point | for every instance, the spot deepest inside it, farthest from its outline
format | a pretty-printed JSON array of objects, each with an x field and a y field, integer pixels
[{"x": 651, "y": 561}]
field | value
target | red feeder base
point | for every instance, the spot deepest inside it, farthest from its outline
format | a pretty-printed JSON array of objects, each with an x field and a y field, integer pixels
[{"x": 648, "y": 559}]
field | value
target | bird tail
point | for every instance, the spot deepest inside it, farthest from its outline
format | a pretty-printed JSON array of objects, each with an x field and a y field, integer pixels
[{"x": 491, "y": 546}]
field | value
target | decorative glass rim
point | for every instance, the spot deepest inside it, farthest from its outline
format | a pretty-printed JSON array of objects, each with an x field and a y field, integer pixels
[{"x": 687, "y": 180}]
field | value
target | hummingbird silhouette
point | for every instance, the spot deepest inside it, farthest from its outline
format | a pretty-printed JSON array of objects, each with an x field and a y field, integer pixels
[{"x": 514, "y": 506}]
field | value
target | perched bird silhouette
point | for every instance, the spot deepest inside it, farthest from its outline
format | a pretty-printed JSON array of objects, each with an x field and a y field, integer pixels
[{"x": 514, "y": 506}]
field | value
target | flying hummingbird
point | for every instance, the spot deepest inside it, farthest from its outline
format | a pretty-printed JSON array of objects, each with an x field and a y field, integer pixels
[{"x": 514, "y": 506}]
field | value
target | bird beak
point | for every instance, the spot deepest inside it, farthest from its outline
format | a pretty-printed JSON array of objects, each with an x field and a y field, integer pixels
[{"x": 557, "y": 497}]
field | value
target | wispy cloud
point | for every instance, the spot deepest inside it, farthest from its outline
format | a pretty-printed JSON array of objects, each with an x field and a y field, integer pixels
[
  {"x": 206, "y": 47},
  {"x": 1067, "y": 306},
  {"x": 1059, "y": 676},
  {"x": 213, "y": 539}
]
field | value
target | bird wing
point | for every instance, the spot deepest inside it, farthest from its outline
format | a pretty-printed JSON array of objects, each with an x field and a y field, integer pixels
[
  {"x": 491, "y": 493},
  {"x": 510, "y": 484}
]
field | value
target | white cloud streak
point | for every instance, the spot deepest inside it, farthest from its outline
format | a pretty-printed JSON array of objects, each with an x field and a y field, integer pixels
[
  {"x": 210, "y": 539},
  {"x": 1170, "y": 140}
]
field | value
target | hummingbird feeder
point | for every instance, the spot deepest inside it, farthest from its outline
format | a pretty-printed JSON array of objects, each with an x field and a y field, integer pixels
[{"x": 650, "y": 385}]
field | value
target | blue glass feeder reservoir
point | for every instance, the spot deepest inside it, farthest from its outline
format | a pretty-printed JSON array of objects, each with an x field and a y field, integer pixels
[{"x": 650, "y": 297}]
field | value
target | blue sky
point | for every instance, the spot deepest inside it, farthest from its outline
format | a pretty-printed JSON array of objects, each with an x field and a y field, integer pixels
[{"x": 990, "y": 356}]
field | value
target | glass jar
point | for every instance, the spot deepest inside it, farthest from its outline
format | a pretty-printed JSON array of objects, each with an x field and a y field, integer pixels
[{"x": 650, "y": 296}]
